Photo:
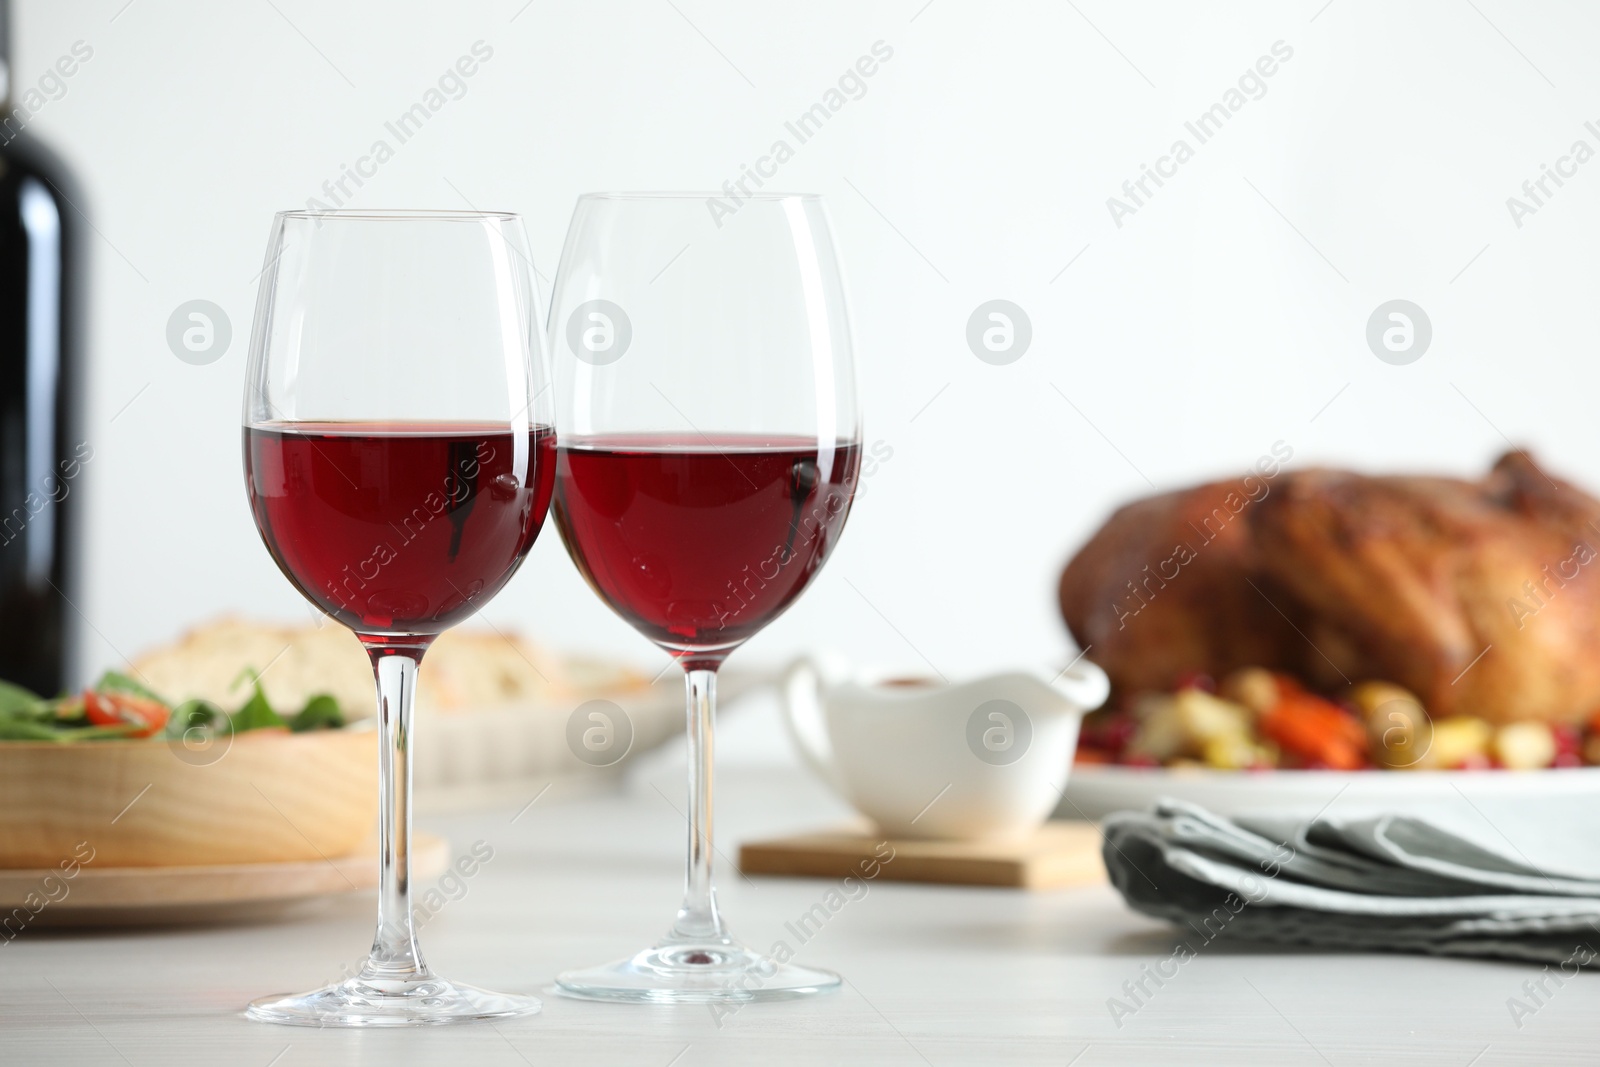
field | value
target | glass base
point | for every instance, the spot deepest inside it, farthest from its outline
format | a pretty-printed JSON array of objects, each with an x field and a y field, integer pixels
[
  {"x": 695, "y": 974},
  {"x": 427, "y": 1001}
]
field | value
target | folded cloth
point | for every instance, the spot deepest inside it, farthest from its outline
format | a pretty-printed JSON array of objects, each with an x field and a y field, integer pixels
[{"x": 1393, "y": 882}]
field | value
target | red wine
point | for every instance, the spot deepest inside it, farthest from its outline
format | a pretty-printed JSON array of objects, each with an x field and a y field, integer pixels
[
  {"x": 398, "y": 528},
  {"x": 700, "y": 542},
  {"x": 43, "y": 450}
]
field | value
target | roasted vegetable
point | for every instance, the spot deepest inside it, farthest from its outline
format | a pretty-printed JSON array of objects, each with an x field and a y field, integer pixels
[
  {"x": 1524, "y": 746},
  {"x": 1322, "y": 734}
]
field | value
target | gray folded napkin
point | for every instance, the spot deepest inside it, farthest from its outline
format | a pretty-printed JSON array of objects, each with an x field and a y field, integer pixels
[{"x": 1393, "y": 882}]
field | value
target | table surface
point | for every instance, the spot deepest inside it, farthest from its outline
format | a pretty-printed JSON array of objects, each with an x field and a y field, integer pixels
[{"x": 933, "y": 975}]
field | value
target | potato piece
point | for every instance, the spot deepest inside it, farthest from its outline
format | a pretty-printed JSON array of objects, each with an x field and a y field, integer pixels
[
  {"x": 1160, "y": 734},
  {"x": 1369, "y": 697},
  {"x": 1234, "y": 752},
  {"x": 1399, "y": 731},
  {"x": 1524, "y": 746},
  {"x": 1183, "y": 724},
  {"x": 1253, "y": 688},
  {"x": 1458, "y": 739},
  {"x": 1205, "y": 717}
]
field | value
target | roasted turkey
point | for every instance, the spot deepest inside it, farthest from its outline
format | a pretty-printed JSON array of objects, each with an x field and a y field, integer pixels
[{"x": 1481, "y": 597}]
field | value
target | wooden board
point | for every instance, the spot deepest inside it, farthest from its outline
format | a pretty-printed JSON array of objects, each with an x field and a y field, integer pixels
[
  {"x": 1058, "y": 854},
  {"x": 140, "y": 896}
]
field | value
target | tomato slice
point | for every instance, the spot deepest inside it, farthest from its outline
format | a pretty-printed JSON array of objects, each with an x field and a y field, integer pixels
[{"x": 125, "y": 709}]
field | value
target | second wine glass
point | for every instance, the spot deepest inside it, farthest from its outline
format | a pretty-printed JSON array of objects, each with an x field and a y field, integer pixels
[{"x": 709, "y": 454}]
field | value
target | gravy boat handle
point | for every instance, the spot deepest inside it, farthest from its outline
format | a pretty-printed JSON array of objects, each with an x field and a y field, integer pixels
[{"x": 800, "y": 693}]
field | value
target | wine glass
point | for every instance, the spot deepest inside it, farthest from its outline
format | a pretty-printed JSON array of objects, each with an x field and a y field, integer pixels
[
  {"x": 710, "y": 445},
  {"x": 399, "y": 457}
]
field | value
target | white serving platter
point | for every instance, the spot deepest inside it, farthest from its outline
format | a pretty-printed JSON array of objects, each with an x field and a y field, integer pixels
[{"x": 1093, "y": 792}]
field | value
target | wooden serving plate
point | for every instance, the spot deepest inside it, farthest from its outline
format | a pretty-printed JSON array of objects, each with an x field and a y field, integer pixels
[
  {"x": 95, "y": 895},
  {"x": 268, "y": 797}
]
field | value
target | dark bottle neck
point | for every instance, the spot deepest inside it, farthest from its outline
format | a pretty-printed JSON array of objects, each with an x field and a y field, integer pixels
[{"x": 5, "y": 57}]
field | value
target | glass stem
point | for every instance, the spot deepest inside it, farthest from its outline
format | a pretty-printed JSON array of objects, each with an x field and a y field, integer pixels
[
  {"x": 698, "y": 920},
  {"x": 395, "y": 955}
]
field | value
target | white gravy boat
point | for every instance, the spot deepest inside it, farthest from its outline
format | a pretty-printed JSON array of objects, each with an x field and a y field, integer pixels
[{"x": 979, "y": 760}]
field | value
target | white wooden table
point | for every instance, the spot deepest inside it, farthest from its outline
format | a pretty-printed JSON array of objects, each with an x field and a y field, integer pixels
[{"x": 934, "y": 975}]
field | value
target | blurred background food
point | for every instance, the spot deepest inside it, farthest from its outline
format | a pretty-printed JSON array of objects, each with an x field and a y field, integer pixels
[
  {"x": 1257, "y": 720},
  {"x": 1323, "y": 618},
  {"x": 1474, "y": 595},
  {"x": 466, "y": 669},
  {"x": 212, "y": 760},
  {"x": 494, "y": 711}
]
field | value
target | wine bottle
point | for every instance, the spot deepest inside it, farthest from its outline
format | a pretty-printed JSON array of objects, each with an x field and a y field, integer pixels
[{"x": 42, "y": 447}]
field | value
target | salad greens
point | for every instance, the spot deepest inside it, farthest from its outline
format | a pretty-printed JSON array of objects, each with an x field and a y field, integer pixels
[{"x": 117, "y": 706}]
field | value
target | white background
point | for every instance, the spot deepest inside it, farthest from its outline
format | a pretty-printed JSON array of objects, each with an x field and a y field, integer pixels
[{"x": 1223, "y": 316}]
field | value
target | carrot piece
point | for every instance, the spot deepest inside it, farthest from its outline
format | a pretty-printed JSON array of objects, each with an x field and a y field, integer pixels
[{"x": 1316, "y": 730}]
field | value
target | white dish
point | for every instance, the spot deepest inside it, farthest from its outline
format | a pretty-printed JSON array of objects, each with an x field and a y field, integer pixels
[{"x": 1094, "y": 791}]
